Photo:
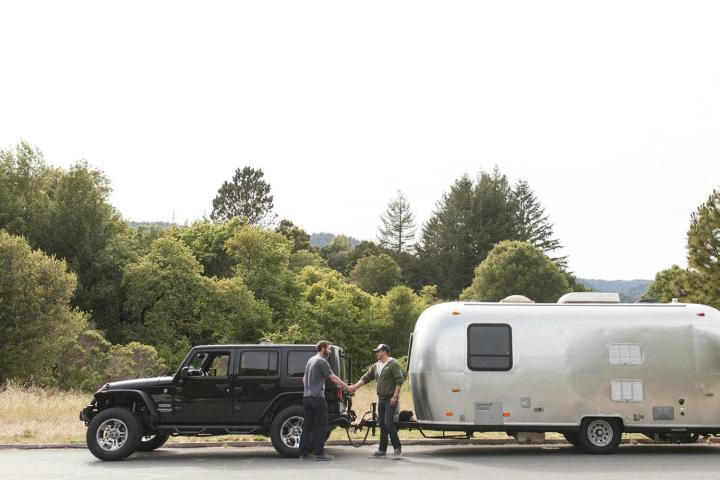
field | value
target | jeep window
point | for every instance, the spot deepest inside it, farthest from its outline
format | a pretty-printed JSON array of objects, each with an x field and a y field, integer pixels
[
  {"x": 209, "y": 364},
  {"x": 296, "y": 361},
  {"x": 259, "y": 364}
]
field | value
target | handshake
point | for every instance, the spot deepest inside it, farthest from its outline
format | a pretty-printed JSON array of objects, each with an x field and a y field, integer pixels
[{"x": 351, "y": 388}]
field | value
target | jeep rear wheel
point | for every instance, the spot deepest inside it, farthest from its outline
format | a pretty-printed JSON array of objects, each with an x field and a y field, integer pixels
[
  {"x": 152, "y": 442},
  {"x": 286, "y": 429},
  {"x": 113, "y": 434}
]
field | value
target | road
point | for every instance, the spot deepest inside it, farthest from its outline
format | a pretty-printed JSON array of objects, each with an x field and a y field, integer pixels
[{"x": 655, "y": 462}]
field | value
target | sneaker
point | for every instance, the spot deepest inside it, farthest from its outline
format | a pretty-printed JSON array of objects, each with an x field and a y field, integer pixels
[
  {"x": 306, "y": 457},
  {"x": 398, "y": 454},
  {"x": 324, "y": 457},
  {"x": 377, "y": 454}
]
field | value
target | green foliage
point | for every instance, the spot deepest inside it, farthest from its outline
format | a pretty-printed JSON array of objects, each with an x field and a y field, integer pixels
[
  {"x": 299, "y": 237},
  {"x": 36, "y": 318},
  {"x": 395, "y": 315},
  {"x": 704, "y": 249},
  {"x": 376, "y": 273},
  {"x": 206, "y": 241},
  {"x": 172, "y": 306},
  {"x": 262, "y": 260},
  {"x": 397, "y": 230},
  {"x": 676, "y": 282},
  {"x": 90, "y": 361},
  {"x": 246, "y": 196},
  {"x": 335, "y": 310},
  {"x": 303, "y": 258},
  {"x": 514, "y": 267}
]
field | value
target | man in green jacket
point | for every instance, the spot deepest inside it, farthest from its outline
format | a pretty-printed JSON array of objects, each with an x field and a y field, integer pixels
[{"x": 388, "y": 375}]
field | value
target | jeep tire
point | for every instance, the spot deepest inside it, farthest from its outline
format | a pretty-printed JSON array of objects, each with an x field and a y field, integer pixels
[
  {"x": 114, "y": 434},
  {"x": 151, "y": 442},
  {"x": 599, "y": 435},
  {"x": 285, "y": 431}
]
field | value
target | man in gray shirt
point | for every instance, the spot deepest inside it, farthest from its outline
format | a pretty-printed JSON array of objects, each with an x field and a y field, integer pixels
[{"x": 315, "y": 423}]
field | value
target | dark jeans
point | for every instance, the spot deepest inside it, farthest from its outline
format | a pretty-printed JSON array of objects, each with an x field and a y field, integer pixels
[
  {"x": 386, "y": 417},
  {"x": 315, "y": 425}
]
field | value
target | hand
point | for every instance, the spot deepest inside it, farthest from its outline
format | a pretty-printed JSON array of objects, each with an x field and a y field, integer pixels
[
  {"x": 393, "y": 401},
  {"x": 350, "y": 389}
]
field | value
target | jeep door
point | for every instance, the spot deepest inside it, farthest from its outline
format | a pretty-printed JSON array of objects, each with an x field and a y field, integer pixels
[
  {"x": 204, "y": 397},
  {"x": 257, "y": 383}
]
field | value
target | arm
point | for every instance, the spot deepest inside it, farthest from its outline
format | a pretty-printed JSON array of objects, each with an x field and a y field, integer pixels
[
  {"x": 398, "y": 376},
  {"x": 337, "y": 381},
  {"x": 364, "y": 379}
]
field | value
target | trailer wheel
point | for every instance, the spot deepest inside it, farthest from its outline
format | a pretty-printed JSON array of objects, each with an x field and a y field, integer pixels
[
  {"x": 599, "y": 435},
  {"x": 572, "y": 438}
]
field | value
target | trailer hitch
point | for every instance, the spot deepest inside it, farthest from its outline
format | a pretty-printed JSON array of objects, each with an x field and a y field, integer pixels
[{"x": 370, "y": 424}]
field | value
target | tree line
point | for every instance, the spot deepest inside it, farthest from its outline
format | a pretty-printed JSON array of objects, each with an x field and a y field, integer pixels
[{"x": 86, "y": 297}]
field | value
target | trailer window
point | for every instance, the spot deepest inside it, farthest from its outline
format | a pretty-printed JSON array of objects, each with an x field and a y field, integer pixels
[
  {"x": 625, "y": 354},
  {"x": 490, "y": 347}
]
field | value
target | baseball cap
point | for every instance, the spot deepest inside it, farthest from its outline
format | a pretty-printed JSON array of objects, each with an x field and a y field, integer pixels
[{"x": 380, "y": 347}]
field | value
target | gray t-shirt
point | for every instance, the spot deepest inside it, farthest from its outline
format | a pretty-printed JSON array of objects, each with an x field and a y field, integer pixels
[{"x": 316, "y": 371}]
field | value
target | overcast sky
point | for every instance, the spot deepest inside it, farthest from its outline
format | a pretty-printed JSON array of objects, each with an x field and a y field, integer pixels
[{"x": 611, "y": 110}]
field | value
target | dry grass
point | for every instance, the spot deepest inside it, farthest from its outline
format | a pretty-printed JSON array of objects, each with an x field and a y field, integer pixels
[{"x": 40, "y": 415}]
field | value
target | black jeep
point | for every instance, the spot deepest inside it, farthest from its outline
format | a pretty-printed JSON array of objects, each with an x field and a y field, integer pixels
[{"x": 218, "y": 390}]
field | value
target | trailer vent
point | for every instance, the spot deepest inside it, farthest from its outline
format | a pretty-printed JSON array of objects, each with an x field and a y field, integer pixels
[
  {"x": 626, "y": 391},
  {"x": 516, "y": 299},
  {"x": 624, "y": 354},
  {"x": 590, "y": 297}
]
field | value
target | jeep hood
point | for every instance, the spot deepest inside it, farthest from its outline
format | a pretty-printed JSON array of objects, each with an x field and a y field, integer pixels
[{"x": 140, "y": 383}]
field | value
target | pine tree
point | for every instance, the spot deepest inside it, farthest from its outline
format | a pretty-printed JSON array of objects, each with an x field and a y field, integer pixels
[
  {"x": 532, "y": 224},
  {"x": 397, "y": 232},
  {"x": 246, "y": 195},
  {"x": 704, "y": 248}
]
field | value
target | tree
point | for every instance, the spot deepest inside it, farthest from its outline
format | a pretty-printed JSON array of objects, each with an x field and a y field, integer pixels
[
  {"x": 262, "y": 260},
  {"x": 207, "y": 240},
  {"x": 675, "y": 282},
  {"x": 532, "y": 224},
  {"x": 299, "y": 237},
  {"x": 514, "y": 267},
  {"x": 398, "y": 228},
  {"x": 376, "y": 274},
  {"x": 704, "y": 248},
  {"x": 247, "y": 196},
  {"x": 448, "y": 247},
  {"x": 395, "y": 316},
  {"x": 172, "y": 306},
  {"x": 36, "y": 317}
]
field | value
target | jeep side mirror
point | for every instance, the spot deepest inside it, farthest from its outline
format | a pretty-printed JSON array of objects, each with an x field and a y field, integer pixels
[{"x": 184, "y": 372}]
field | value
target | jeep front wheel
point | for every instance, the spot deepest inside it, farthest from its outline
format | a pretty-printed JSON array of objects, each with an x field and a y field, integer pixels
[
  {"x": 113, "y": 434},
  {"x": 152, "y": 442},
  {"x": 286, "y": 429}
]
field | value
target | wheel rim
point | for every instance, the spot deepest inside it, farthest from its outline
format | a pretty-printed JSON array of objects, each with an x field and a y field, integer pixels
[
  {"x": 112, "y": 434},
  {"x": 600, "y": 433},
  {"x": 291, "y": 430}
]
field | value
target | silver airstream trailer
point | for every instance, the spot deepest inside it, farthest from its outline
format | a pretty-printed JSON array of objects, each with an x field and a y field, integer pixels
[{"x": 588, "y": 367}]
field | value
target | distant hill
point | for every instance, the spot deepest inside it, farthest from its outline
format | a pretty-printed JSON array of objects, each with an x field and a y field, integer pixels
[
  {"x": 629, "y": 290},
  {"x": 323, "y": 239}
]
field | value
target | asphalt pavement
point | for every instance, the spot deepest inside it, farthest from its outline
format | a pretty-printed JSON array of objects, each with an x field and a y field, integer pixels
[{"x": 507, "y": 462}]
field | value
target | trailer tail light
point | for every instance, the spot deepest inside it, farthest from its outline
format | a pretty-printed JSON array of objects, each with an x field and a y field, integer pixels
[
  {"x": 506, "y": 414},
  {"x": 448, "y": 414},
  {"x": 701, "y": 314}
]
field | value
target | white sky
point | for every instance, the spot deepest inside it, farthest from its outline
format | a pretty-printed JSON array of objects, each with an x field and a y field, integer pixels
[{"x": 611, "y": 110}]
